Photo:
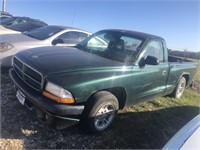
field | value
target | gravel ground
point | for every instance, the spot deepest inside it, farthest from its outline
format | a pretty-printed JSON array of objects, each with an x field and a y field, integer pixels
[{"x": 20, "y": 129}]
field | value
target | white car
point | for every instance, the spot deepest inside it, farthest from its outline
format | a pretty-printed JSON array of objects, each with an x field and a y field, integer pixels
[
  {"x": 10, "y": 44},
  {"x": 187, "y": 138},
  {"x": 20, "y": 27}
]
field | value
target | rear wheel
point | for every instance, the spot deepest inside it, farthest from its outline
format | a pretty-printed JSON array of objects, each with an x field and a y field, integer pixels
[
  {"x": 178, "y": 92},
  {"x": 100, "y": 112}
]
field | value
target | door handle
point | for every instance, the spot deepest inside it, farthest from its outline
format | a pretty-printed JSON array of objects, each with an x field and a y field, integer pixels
[{"x": 164, "y": 73}]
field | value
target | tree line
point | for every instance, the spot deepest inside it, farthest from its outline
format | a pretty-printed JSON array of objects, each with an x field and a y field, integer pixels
[{"x": 185, "y": 53}]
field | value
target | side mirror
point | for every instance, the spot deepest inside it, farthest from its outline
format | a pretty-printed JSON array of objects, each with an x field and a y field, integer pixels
[
  {"x": 57, "y": 41},
  {"x": 151, "y": 60}
]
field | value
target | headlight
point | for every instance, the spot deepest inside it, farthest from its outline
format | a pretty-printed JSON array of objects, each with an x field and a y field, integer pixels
[
  {"x": 5, "y": 46},
  {"x": 58, "y": 94}
]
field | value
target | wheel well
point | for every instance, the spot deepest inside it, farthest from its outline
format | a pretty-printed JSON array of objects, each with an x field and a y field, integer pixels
[{"x": 120, "y": 94}]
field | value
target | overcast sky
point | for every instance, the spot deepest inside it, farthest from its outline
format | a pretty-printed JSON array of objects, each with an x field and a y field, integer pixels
[{"x": 177, "y": 21}]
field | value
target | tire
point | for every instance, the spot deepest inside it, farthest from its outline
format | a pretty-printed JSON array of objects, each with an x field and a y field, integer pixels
[
  {"x": 178, "y": 92},
  {"x": 100, "y": 112}
]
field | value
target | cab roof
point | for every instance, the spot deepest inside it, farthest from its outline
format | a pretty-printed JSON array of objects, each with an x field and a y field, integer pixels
[{"x": 135, "y": 33}]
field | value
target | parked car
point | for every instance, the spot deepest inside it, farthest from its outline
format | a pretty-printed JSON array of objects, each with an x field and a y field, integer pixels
[
  {"x": 4, "y": 15},
  {"x": 14, "y": 25},
  {"x": 186, "y": 138},
  {"x": 12, "y": 20},
  {"x": 21, "y": 27},
  {"x": 44, "y": 36},
  {"x": 107, "y": 71},
  {"x": 16, "y": 20}
]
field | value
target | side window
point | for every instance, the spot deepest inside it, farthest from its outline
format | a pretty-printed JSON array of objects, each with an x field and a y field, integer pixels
[
  {"x": 154, "y": 48},
  {"x": 72, "y": 37},
  {"x": 82, "y": 36}
]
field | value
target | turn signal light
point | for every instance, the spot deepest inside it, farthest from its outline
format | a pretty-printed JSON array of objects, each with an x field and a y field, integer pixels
[{"x": 58, "y": 99}]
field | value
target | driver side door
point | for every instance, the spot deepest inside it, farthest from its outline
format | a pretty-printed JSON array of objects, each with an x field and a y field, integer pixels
[{"x": 153, "y": 78}]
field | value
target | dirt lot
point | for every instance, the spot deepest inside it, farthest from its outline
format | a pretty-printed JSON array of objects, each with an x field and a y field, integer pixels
[{"x": 133, "y": 129}]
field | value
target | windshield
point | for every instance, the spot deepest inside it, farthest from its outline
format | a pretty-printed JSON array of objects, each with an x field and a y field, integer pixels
[
  {"x": 26, "y": 26},
  {"x": 44, "y": 32},
  {"x": 115, "y": 45}
]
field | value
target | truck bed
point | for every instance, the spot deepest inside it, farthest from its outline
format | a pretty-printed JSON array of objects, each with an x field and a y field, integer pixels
[
  {"x": 177, "y": 59},
  {"x": 177, "y": 66}
]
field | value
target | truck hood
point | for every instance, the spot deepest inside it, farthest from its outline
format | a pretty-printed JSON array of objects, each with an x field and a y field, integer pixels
[{"x": 55, "y": 60}]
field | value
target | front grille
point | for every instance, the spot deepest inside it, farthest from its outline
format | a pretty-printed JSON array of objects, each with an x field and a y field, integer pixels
[{"x": 29, "y": 75}]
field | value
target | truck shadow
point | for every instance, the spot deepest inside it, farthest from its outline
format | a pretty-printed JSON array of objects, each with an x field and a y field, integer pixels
[
  {"x": 135, "y": 130},
  {"x": 150, "y": 129}
]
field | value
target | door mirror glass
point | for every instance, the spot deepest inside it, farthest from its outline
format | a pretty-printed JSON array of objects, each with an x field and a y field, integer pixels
[
  {"x": 151, "y": 60},
  {"x": 57, "y": 41}
]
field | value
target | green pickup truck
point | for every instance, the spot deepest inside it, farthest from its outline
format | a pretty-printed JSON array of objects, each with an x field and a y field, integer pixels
[{"x": 90, "y": 82}]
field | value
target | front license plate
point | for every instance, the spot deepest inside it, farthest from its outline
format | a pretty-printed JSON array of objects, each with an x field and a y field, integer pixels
[{"x": 20, "y": 97}]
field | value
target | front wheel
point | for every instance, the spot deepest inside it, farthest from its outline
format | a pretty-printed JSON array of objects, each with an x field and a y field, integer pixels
[
  {"x": 100, "y": 112},
  {"x": 178, "y": 92}
]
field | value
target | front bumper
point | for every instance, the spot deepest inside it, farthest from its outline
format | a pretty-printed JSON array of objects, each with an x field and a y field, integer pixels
[{"x": 36, "y": 101}]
